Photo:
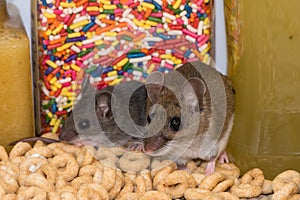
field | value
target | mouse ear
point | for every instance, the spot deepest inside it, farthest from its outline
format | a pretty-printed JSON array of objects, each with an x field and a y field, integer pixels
[
  {"x": 154, "y": 84},
  {"x": 193, "y": 93},
  {"x": 103, "y": 105},
  {"x": 86, "y": 87}
]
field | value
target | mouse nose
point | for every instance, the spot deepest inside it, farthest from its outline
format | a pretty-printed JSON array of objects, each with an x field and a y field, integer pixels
[
  {"x": 154, "y": 144},
  {"x": 67, "y": 135}
]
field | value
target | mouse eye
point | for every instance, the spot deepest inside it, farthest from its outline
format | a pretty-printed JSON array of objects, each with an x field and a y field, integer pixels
[
  {"x": 174, "y": 124},
  {"x": 84, "y": 124}
]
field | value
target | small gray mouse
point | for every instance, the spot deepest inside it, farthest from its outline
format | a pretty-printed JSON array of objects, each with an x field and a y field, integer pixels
[
  {"x": 99, "y": 117},
  {"x": 113, "y": 116},
  {"x": 193, "y": 110}
]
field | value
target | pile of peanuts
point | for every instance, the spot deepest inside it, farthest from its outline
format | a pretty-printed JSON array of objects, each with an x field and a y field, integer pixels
[{"x": 63, "y": 171}]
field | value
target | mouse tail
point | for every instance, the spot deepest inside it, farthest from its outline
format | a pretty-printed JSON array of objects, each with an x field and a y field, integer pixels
[{"x": 34, "y": 139}]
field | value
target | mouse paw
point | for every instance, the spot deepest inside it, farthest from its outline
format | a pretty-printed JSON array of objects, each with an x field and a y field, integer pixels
[
  {"x": 223, "y": 158},
  {"x": 183, "y": 167},
  {"x": 210, "y": 168},
  {"x": 135, "y": 146}
]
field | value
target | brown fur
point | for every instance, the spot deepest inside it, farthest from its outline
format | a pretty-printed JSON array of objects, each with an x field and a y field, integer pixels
[{"x": 165, "y": 140}]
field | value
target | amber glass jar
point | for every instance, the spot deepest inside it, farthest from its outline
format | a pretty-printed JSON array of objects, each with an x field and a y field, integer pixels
[
  {"x": 263, "y": 40},
  {"x": 16, "y": 104}
]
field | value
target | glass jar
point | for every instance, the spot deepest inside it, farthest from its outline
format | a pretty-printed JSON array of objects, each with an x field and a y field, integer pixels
[
  {"x": 264, "y": 66},
  {"x": 16, "y": 107}
]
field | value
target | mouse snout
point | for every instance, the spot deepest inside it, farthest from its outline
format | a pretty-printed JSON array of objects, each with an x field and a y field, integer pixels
[
  {"x": 67, "y": 135},
  {"x": 154, "y": 143}
]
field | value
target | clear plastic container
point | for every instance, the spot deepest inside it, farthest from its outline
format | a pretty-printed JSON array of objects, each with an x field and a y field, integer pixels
[
  {"x": 16, "y": 101},
  {"x": 263, "y": 40}
]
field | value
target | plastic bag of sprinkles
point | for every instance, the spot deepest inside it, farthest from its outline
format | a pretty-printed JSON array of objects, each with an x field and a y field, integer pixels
[{"x": 110, "y": 42}]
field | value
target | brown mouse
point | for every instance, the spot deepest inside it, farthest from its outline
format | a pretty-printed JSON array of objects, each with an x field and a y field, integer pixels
[
  {"x": 191, "y": 113},
  {"x": 112, "y": 116}
]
